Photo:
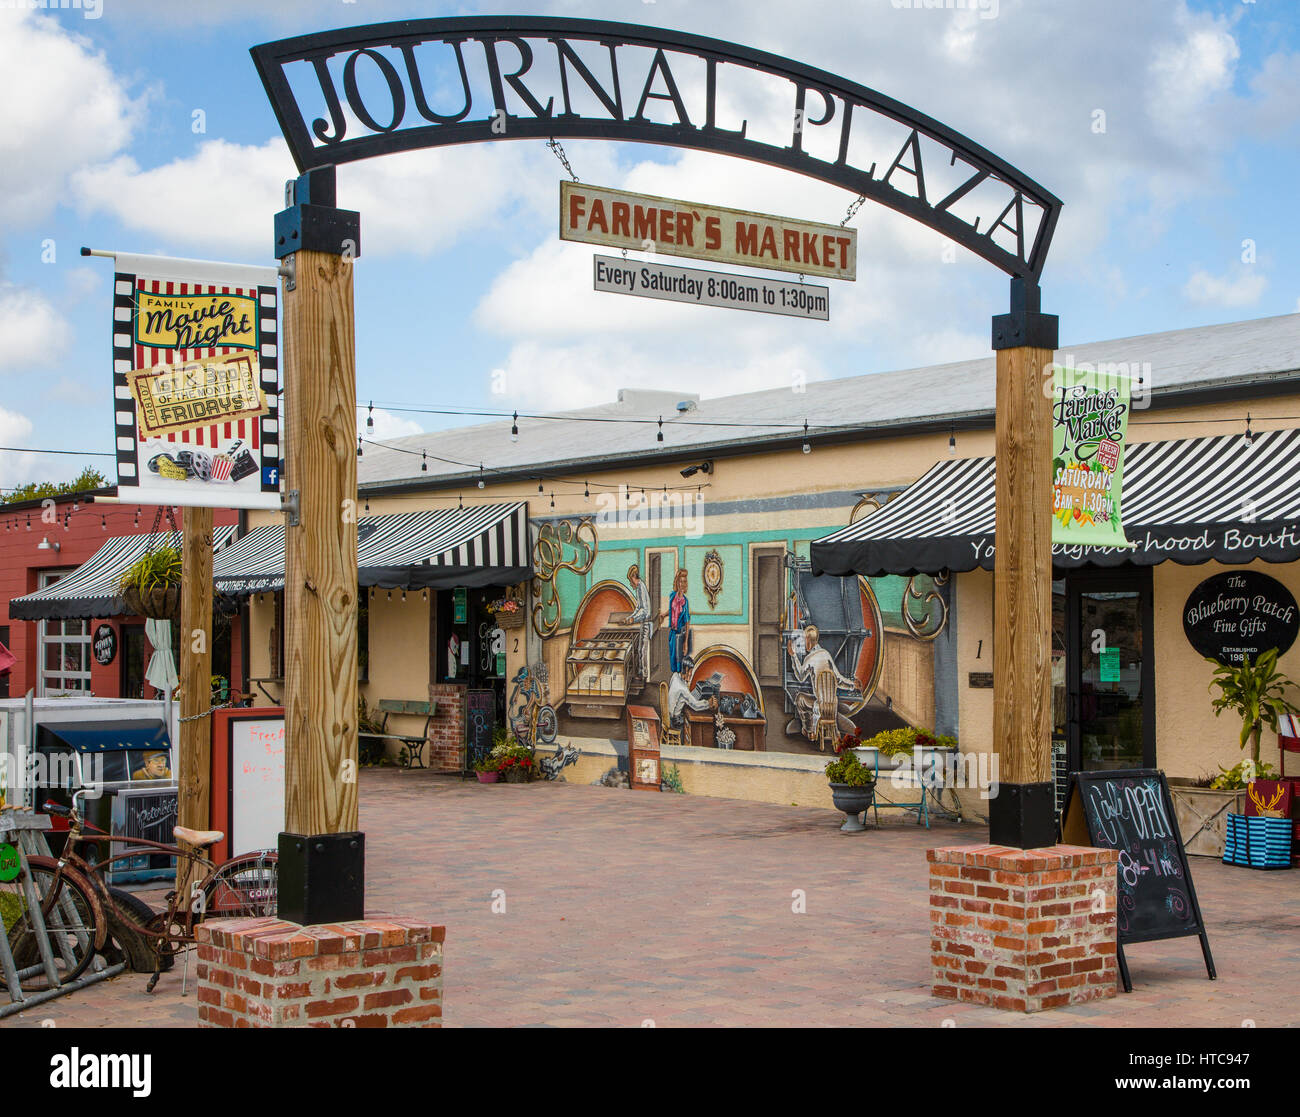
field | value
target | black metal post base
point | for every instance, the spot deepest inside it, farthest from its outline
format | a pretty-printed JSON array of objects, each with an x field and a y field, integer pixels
[
  {"x": 1023, "y": 816},
  {"x": 322, "y": 878}
]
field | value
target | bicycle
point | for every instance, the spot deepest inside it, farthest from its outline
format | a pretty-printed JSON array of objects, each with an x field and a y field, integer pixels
[
  {"x": 533, "y": 720},
  {"x": 79, "y": 906}
]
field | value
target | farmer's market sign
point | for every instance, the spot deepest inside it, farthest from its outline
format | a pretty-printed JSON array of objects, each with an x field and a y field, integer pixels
[
  {"x": 1089, "y": 423},
  {"x": 1240, "y": 613},
  {"x": 643, "y": 223},
  {"x": 709, "y": 288}
]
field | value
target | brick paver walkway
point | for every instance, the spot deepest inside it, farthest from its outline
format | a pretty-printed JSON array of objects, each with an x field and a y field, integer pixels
[{"x": 623, "y": 907}]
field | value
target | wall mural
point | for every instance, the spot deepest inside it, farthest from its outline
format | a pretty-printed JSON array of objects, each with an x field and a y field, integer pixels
[
  {"x": 555, "y": 540},
  {"x": 633, "y": 641}
]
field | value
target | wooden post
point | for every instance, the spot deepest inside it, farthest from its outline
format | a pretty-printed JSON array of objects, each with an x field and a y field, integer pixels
[
  {"x": 320, "y": 586},
  {"x": 1022, "y": 814},
  {"x": 195, "y": 744}
]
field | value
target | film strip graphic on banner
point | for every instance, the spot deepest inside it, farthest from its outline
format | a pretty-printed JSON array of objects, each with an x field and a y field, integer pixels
[{"x": 196, "y": 424}]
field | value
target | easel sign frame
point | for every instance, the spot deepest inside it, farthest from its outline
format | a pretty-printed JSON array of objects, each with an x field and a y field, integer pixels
[{"x": 1079, "y": 826}]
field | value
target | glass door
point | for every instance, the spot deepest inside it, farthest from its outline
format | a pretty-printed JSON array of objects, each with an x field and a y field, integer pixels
[{"x": 1109, "y": 670}]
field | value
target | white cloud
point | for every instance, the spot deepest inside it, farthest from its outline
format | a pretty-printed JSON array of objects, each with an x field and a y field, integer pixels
[
  {"x": 1234, "y": 289},
  {"x": 15, "y": 469},
  {"x": 387, "y": 425},
  {"x": 32, "y": 332},
  {"x": 64, "y": 107}
]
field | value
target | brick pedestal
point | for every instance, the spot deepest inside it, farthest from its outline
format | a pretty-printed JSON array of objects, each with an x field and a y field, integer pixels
[
  {"x": 268, "y": 973},
  {"x": 447, "y": 729},
  {"x": 1022, "y": 929}
]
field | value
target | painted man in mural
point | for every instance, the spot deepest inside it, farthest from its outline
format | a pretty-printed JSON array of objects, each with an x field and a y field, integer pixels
[
  {"x": 681, "y": 697},
  {"x": 678, "y": 615},
  {"x": 814, "y": 660},
  {"x": 643, "y": 616}
]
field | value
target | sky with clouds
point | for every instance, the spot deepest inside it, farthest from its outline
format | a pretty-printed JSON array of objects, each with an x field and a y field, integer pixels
[{"x": 1169, "y": 128}]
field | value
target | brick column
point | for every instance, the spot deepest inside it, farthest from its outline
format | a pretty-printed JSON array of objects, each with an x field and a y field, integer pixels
[
  {"x": 267, "y": 973},
  {"x": 1023, "y": 929},
  {"x": 447, "y": 729}
]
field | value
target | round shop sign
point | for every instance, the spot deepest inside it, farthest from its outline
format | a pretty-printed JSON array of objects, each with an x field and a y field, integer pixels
[
  {"x": 1241, "y": 613},
  {"x": 105, "y": 644}
]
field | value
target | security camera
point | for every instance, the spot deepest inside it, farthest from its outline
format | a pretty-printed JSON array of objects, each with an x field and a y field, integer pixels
[{"x": 692, "y": 470}]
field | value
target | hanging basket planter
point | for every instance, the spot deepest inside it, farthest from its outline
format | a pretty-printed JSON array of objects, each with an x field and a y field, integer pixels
[
  {"x": 157, "y": 603},
  {"x": 509, "y": 620}
]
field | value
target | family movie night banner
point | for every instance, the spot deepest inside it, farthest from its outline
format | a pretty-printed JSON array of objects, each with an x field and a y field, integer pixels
[
  {"x": 196, "y": 383},
  {"x": 1089, "y": 424}
]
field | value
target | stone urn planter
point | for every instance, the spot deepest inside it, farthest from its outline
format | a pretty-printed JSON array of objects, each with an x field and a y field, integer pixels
[
  {"x": 853, "y": 801},
  {"x": 1202, "y": 815}
]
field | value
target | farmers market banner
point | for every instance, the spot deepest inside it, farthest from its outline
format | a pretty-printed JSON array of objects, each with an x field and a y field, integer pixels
[
  {"x": 1089, "y": 424},
  {"x": 196, "y": 382}
]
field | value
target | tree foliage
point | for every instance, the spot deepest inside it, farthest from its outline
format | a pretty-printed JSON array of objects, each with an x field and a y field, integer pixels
[{"x": 86, "y": 481}]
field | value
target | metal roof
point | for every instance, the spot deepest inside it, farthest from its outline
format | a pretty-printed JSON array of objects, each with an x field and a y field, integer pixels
[{"x": 1232, "y": 356}]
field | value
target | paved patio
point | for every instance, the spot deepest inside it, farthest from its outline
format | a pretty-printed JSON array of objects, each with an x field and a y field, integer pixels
[{"x": 624, "y": 907}]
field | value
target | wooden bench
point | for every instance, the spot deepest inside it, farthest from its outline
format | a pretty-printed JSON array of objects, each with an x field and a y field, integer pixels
[{"x": 411, "y": 746}]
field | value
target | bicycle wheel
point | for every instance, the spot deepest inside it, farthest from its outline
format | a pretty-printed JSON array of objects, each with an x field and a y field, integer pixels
[
  {"x": 245, "y": 886},
  {"x": 546, "y": 726},
  {"x": 70, "y": 916}
]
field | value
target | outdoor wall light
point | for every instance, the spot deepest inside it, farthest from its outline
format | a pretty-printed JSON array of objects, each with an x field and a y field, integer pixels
[
  {"x": 692, "y": 470},
  {"x": 46, "y": 545}
]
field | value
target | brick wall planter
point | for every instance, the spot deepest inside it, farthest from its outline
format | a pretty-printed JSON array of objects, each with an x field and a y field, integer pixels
[
  {"x": 1023, "y": 930},
  {"x": 268, "y": 973}
]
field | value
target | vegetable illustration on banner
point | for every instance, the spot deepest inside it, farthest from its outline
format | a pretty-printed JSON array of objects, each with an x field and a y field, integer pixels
[
  {"x": 1089, "y": 426},
  {"x": 196, "y": 382}
]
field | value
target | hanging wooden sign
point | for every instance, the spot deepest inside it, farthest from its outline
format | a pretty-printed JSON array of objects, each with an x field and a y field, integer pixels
[{"x": 644, "y": 223}]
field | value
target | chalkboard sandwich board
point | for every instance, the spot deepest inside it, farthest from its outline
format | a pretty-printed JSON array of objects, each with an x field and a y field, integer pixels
[{"x": 1130, "y": 810}]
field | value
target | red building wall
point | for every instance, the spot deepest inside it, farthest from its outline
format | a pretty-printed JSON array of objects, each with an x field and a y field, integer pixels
[{"x": 86, "y": 530}]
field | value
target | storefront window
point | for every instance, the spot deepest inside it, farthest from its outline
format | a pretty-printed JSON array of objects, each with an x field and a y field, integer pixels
[{"x": 64, "y": 663}]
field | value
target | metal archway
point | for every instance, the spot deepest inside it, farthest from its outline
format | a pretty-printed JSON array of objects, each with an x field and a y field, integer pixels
[{"x": 995, "y": 210}]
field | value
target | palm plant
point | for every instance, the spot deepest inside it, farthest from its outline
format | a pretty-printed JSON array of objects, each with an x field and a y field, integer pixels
[{"x": 1256, "y": 693}]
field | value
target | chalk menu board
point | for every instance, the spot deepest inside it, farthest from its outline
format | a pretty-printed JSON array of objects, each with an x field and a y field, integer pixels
[
  {"x": 256, "y": 784},
  {"x": 480, "y": 721},
  {"x": 1130, "y": 811}
]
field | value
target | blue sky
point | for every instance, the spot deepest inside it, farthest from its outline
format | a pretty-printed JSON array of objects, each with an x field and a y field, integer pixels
[{"x": 462, "y": 273}]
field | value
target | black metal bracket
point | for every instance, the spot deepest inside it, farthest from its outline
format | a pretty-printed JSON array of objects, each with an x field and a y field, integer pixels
[
  {"x": 322, "y": 878},
  {"x": 1025, "y": 325},
  {"x": 312, "y": 221}
]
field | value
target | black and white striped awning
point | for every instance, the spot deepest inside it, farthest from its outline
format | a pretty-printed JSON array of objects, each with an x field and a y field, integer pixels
[
  {"x": 92, "y": 589},
  {"x": 485, "y": 545},
  {"x": 1190, "y": 500}
]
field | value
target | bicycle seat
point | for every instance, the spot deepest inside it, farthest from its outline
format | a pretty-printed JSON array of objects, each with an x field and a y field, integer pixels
[{"x": 197, "y": 837}]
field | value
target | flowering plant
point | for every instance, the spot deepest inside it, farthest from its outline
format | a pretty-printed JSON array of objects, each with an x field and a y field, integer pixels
[
  {"x": 848, "y": 741},
  {"x": 505, "y": 605}
]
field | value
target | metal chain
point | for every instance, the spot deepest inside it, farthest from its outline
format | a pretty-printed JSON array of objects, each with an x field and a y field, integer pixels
[
  {"x": 208, "y": 712},
  {"x": 557, "y": 149},
  {"x": 854, "y": 206}
]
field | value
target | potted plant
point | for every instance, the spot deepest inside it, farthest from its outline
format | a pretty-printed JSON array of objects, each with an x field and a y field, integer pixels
[
  {"x": 853, "y": 787},
  {"x": 930, "y": 749},
  {"x": 487, "y": 771},
  {"x": 508, "y": 611},
  {"x": 151, "y": 586},
  {"x": 513, "y": 760},
  {"x": 1256, "y": 694}
]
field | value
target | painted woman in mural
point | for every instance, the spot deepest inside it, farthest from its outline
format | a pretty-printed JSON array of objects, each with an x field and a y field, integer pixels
[
  {"x": 678, "y": 615},
  {"x": 643, "y": 616}
]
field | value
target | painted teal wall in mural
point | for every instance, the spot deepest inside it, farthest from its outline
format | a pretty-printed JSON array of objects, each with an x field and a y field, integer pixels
[{"x": 614, "y": 557}]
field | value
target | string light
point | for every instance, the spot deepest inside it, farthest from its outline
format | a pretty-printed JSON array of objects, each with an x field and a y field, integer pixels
[
  {"x": 424, "y": 461},
  {"x": 552, "y": 498},
  {"x": 660, "y": 436},
  {"x": 424, "y": 595},
  {"x": 952, "y": 441},
  {"x": 586, "y": 491},
  {"x": 514, "y": 428},
  {"x": 358, "y": 446},
  {"x": 460, "y": 504},
  {"x": 367, "y": 504},
  {"x": 403, "y": 595},
  {"x": 807, "y": 446},
  {"x": 540, "y": 487},
  {"x": 103, "y": 523},
  {"x": 370, "y": 417},
  {"x": 1250, "y": 436},
  {"x": 480, "y": 475}
]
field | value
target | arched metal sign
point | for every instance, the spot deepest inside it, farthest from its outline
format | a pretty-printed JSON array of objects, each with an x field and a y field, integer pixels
[{"x": 366, "y": 91}]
